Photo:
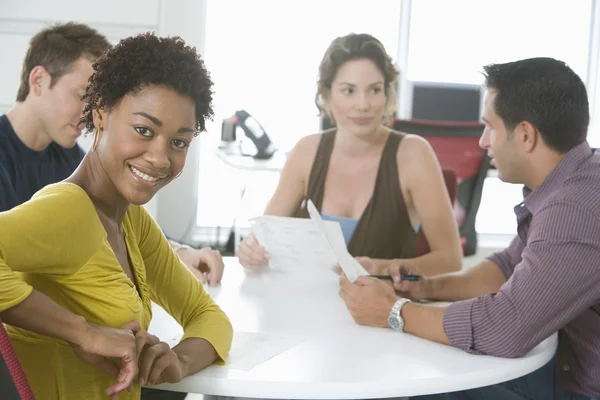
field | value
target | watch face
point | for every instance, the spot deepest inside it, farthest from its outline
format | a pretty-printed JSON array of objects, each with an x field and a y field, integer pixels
[
  {"x": 394, "y": 322},
  {"x": 394, "y": 318}
]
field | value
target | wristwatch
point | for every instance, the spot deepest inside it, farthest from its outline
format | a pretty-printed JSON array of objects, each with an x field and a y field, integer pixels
[{"x": 395, "y": 318}]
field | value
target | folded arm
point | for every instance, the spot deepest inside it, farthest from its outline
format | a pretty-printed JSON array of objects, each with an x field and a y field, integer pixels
[
  {"x": 207, "y": 331},
  {"x": 38, "y": 237}
]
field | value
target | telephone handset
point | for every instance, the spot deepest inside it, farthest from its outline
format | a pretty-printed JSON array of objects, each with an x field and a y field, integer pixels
[{"x": 253, "y": 130}]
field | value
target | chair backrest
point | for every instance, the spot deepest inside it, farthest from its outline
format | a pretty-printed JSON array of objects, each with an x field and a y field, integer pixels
[
  {"x": 13, "y": 382},
  {"x": 456, "y": 145},
  {"x": 451, "y": 183}
]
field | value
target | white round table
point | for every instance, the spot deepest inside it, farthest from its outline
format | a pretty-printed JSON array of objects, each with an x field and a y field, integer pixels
[{"x": 294, "y": 339}]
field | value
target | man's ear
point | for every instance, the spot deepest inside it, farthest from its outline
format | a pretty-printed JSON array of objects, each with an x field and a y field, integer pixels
[
  {"x": 39, "y": 80},
  {"x": 527, "y": 136}
]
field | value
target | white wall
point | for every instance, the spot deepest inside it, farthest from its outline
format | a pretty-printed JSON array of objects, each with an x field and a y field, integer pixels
[
  {"x": 20, "y": 20},
  {"x": 177, "y": 203}
]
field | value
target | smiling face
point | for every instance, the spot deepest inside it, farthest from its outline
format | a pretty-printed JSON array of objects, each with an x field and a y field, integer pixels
[
  {"x": 357, "y": 97},
  {"x": 144, "y": 141}
]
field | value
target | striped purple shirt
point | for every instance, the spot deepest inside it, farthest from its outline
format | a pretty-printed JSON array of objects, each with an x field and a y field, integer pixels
[{"x": 553, "y": 272}]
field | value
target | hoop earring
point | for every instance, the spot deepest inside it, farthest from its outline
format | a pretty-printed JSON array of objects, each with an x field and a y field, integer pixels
[{"x": 96, "y": 138}]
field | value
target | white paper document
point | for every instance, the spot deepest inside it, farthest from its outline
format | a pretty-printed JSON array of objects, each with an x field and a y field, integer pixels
[
  {"x": 293, "y": 243},
  {"x": 251, "y": 349},
  {"x": 335, "y": 238}
]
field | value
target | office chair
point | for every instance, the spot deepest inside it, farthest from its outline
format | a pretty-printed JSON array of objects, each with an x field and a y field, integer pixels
[
  {"x": 13, "y": 382},
  {"x": 450, "y": 180},
  {"x": 456, "y": 145}
]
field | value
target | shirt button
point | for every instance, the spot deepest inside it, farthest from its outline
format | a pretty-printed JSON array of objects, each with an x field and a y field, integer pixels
[{"x": 566, "y": 368}]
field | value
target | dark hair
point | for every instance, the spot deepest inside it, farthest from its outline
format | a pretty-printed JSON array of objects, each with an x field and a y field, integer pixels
[
  {"x": 546, "y": 93},
  {"x": 56, "y": 48},
  {"x": 353, "y": 47},
  {"x": 147, "y": 60}
]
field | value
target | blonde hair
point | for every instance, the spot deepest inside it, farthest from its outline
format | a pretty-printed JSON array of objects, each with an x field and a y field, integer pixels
[{"x": 354, "y": 47}]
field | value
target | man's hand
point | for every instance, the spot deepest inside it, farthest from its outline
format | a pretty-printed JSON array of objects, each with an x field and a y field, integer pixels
[
  {"x": 415, "y": 291},
  {"x": 100, "y": 343},
  {"x": 374, "y": 267},
  {"x": 371, "y": 265},
  {"x": 369, "y": 300},
  {"x": 206, "y": 264}
]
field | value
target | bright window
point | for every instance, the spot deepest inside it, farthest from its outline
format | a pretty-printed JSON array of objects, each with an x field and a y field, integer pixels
[
  {"x": 264, "y": 57},
  {"x": 450, "y": 41}
]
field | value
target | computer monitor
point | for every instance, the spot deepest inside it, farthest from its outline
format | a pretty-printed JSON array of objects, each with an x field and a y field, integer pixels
[{"x": 446, "y": 101}]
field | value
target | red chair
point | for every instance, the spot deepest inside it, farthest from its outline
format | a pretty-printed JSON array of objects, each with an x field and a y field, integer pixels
[
  {"x": 450, "y": 180},
  {"x": 456, "y": 145},
  {"x": 13, "y": 382}
]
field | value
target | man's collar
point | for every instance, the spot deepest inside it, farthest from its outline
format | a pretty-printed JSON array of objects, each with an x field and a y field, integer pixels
[{"x": 533, "y": 199}]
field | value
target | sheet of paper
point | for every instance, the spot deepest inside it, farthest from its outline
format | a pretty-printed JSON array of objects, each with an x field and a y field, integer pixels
[
  {"x": 335, "y": 238},
  {"x": 294, "y": 243},
  {"x": 249, "y": 349}
]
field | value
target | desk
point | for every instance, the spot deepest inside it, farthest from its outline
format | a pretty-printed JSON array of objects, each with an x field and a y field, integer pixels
[{"x": 333, "y": 357}]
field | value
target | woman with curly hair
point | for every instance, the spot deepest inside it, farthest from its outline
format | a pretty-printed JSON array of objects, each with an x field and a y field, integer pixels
[{"x": 88, "y": 244}]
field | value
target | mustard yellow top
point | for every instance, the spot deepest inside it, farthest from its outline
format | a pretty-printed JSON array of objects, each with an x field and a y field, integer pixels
[{"x": 59, "y": 246}]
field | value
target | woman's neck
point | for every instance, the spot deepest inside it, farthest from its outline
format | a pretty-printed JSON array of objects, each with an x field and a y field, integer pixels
[
  {"x": 90, "y": 176},
  {"x": 355, "y": 146}
]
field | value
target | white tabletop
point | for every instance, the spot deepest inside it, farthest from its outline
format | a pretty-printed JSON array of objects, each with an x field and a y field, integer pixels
[{"x": 322, "y": 352}]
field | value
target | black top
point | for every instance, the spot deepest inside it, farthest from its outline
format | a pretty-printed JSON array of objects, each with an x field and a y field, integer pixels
[
  {"x": 24, "y": 171},
  {"x": 384, "y": 230}
]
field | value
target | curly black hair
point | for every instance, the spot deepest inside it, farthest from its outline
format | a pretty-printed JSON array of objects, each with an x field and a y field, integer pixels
[{"x": 147, "y": 60}]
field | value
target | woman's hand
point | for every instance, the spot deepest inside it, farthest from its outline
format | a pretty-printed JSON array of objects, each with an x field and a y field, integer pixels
[
  {"x": 156, "y": 360},
  {"x": 159, "y": 363},
  {"x": 251, "y": 254},
  {"x": 100, "y": 343}
]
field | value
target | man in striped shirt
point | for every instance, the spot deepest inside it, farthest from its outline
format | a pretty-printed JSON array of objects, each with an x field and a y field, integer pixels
[{"x": 536, "y": 116}]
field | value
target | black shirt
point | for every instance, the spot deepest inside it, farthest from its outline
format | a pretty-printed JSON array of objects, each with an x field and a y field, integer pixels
[{"x": 24, "y": 171}]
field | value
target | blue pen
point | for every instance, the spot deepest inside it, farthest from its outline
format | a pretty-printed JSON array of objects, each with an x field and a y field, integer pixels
[{"x": 405, "y": 277}]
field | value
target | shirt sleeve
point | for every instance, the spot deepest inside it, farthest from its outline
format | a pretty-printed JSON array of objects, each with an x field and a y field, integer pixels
[
  {"x": 56, "y": 232},
  {"x": 508, "y": 258},
  {"x": 176, "y": 289},
  {"x": 554, "y": 282},
  {"x": 8, "y": 196}
]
